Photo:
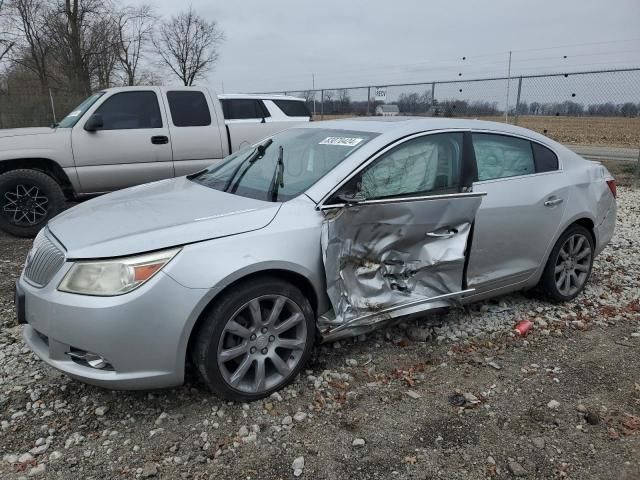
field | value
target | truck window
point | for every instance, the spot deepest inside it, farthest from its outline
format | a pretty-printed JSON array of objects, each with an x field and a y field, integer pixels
[
  {"x": 130, "y": 110},
  {"x": 188, "y": 109},
  {"x": 293, "y": 108},
  {"x": 243, "y": 108}
]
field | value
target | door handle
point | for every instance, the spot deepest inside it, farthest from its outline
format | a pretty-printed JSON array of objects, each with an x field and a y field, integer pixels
[
  {"x": 159, "y": 139},
  {"x": 448, "y": 234},
  {"x": 552, "y": 202}
]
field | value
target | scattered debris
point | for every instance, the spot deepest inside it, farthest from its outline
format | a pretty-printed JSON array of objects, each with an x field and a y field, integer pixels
[
  {"x": 358, "y": 442},
  {"x": 553, "y": 404},
  {"x": 413, "y": 394},
  {"x": 523, "y": 327},
  {"x": 516, "y": 469},
  {"x": 457, "y": 400},
  {"x": 298, "y": 466}
]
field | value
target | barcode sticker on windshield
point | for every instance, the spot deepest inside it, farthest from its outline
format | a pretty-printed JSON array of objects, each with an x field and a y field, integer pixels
[{"x": 341, "y": 141}]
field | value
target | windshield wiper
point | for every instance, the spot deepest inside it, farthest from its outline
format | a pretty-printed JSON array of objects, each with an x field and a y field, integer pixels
[
  {"x": 257, "y": 154},
  {"x": 277, "y": 181}
]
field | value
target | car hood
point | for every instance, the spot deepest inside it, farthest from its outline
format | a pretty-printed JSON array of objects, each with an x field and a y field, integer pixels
[
  {"x": 19, "y": 132},
  {"x": 155, "y": 216}
]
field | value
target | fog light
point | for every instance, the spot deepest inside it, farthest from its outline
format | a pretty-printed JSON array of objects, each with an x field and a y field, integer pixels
[{"x": 90, "y": 359}]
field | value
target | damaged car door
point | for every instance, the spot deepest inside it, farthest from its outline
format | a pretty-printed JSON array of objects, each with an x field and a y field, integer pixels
[{"x": 396, "y": 234}]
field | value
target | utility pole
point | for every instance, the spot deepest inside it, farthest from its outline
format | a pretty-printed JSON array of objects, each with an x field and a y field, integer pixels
[
  {"x": 313, "y": 87},
  {"x": 506, "y": 110}
]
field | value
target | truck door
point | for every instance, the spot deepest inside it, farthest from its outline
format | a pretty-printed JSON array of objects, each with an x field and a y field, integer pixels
[
  {"x": 128, "y": 144},
  {"x": 197, "y": 134}
]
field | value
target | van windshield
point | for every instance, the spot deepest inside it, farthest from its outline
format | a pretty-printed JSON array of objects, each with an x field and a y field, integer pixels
[
  {"x": 72, "y": 118},
  {"x": 285, "y": 165}
]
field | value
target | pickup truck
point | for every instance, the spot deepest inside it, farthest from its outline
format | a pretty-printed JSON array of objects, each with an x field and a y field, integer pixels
[{"x": 120, "y": 137}]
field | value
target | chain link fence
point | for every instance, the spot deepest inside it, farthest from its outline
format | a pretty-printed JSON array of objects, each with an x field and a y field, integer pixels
[
  {"x": 595, "y": 108},
  {"x": 24, "y": 107},
  {"x": 590, "y": 110}
]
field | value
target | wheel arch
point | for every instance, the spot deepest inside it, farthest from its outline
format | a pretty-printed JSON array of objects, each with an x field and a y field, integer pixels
[
  {"x": 583, "y": 220},
  {"x": 44, "y": 165},
  {"x": 296, "y": 278}
]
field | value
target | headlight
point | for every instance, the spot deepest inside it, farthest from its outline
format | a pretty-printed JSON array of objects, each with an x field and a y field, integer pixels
[{"x": 114, "y": 277}]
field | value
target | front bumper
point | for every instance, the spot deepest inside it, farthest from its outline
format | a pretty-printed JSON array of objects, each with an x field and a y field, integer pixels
[{"x": 142, "y": 335}]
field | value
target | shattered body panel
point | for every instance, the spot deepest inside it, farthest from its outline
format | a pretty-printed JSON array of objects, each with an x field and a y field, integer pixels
[{"x": 388, "y": 258}]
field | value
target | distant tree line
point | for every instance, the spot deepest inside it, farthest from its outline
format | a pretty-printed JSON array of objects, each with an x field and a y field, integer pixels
[{"x": 339, "y": 102}]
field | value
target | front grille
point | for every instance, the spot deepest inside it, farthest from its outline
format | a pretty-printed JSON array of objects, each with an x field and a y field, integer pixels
[{"x": 44, "y": 260}]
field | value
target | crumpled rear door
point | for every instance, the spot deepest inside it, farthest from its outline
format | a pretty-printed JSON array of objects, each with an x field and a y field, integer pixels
[{"x": 392, "y": 257}]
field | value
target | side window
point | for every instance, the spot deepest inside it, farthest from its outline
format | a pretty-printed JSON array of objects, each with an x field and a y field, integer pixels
[
  {"x": 243, "y": 108},
  {"x": 293, "y": 108},
  {"x": 546, "y": 160},
  {"x": 501, "y": 156},
  {"x": 421, "y": 166},
  {"x": 130, "y": 110},
  {"x": 188, "y": 109}
]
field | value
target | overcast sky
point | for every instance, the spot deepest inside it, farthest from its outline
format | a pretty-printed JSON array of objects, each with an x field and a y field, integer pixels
[{"x": 278, "y": 45}]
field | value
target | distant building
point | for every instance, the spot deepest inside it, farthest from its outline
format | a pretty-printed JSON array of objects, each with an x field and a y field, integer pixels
[{"x": 389, "y": 110}]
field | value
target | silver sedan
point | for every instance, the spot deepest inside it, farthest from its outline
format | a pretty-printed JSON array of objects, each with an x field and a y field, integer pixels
[{"x": 317, "y": 233}]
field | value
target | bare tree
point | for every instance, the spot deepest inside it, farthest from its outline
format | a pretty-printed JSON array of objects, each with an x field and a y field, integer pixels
[
  {"x": 82, "y": 33},
  {"x": 30, "y": 18},
  {"x": 103, "y": 64},
  {"x": 6, "y": 44},
  {"x": 188, "y": 45},
  {"x": 135, "y": 31}
]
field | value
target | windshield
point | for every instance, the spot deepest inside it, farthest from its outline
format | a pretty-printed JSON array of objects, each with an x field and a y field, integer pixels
[
  {"x": 73, "y": 117},
  {"x": 284, "y": 166}
]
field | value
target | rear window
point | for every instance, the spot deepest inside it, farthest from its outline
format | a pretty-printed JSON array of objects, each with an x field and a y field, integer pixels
[
  {"x": 293, "y": 108},
  {"x": 188, "y": 109},
  {"x": 546, "y": 160},
  {"x": 243, "y": 108}
]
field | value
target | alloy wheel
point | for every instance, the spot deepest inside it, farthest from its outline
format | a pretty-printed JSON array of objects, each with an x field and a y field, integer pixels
[
  {"x": 573, "y": 264},
  {"x": 262, "y": 343},
  {"x": 25, "y": 205}
]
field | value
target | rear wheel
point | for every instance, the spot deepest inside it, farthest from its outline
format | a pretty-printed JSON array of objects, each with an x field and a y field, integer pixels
[
  {"x": 569, "y": 265},
  {"x": 255, "y": 340},
  {"x": 28, "y": 199}
]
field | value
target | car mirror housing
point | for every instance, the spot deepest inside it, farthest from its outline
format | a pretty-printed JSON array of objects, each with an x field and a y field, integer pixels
[{"x": 94, "y": 123}]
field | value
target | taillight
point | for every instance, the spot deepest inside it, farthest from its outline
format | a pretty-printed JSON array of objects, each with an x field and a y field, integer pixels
[{"x": 612, "y": 187}]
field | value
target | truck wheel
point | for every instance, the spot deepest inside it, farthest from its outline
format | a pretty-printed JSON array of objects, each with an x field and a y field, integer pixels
[{"x": 28, "y": 199}]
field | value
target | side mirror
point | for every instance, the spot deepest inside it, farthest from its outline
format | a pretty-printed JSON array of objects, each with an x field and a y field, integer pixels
[
  {"x": 263, "y": 120},
  {"x": 94, "y": 123}
]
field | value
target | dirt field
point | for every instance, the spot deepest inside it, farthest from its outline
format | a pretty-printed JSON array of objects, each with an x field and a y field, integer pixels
[
  {"x": 610, "y": 131},
  {"x": 454, "y": 397}
]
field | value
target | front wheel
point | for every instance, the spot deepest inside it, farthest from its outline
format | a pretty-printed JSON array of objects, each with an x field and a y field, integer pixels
[
  {"x": 569, "y": 265},
  {"x": 254, "y": 340},
  {"x": 28, "y": 199}
]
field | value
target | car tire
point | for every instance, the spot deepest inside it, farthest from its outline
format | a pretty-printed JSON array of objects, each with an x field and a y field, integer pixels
[
  {"x": 28, "y": 200},
  {"x": 242, "y": 352},
  {"x": 569, "y": 266}
]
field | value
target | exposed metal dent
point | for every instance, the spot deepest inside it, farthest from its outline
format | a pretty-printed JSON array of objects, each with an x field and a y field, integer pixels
[{"x": 386, "y": 259}]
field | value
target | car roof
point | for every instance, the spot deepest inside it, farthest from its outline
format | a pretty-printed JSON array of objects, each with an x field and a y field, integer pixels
[
  {"x": 408, "y": 125},
  {"x": 259, "y": 96}
]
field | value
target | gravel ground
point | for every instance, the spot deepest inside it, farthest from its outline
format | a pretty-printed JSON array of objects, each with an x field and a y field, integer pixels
[{"x": 458, "y": 396}]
